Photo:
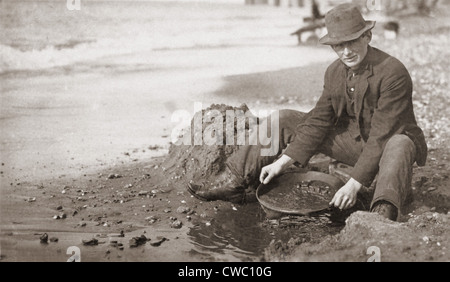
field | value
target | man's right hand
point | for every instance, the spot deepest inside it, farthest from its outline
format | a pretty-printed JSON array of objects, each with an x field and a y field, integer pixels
[{"x": 271, "y": 171}]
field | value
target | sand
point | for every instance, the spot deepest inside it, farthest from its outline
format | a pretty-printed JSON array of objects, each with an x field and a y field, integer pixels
[{"x": 62, "y": 171}]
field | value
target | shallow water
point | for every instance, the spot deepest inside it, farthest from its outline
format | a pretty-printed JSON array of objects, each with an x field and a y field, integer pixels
[{"x": 244, "y": 235}]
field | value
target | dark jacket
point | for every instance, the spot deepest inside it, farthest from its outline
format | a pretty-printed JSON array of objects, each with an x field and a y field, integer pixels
[{"x": 383, "y": 106}]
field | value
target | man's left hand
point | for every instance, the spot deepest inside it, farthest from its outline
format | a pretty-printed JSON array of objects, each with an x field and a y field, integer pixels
[{"x": 345, "y": 197}]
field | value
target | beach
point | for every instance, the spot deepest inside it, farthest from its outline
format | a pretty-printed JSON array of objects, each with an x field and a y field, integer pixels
[{"x": 87, "y": 122}]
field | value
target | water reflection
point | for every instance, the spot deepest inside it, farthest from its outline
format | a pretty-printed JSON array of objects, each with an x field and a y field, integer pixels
[{"x": 244, "y": 235}]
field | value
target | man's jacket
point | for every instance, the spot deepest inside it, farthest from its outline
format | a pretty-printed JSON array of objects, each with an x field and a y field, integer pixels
[{"x": 383, "y": 107}]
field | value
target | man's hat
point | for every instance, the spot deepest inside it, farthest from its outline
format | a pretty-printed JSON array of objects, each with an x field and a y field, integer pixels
[{"x": 345, "y": 23}]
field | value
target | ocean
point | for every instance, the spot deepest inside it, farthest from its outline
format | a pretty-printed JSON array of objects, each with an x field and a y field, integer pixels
[{"x": 148, "y": 35}]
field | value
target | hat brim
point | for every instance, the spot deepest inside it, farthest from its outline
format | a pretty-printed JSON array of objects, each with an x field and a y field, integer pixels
[{"x": 327, "y": 40}]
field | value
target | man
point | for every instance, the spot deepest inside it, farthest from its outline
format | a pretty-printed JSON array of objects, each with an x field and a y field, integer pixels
[{"x": 364, "y": 118}]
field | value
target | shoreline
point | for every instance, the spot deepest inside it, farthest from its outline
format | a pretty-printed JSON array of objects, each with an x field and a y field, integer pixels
[
  {"x": 104, "y": 206},
  {"x": 45, "y": 181}
]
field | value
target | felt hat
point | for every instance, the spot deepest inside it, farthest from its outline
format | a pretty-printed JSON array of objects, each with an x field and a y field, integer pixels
[{"x": 344, "y": 23}]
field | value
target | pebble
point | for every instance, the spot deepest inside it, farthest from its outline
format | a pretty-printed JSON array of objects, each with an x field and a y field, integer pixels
[
  {"x": 61, "y": 216},
  {"x": 137, "y": 241},
  {"x": 167, "y": 210},
  {"x": 114, "y": 176},
  {"x": 431, "y": 189},
  {"x": 44, "y": 238},
  {"x": 159, "y": 240},
  {"x": 176, "y": 224},
  {"x": 30, "y": 200},
  {"x": 58, "y": 208},
  {"x": 54, "y": 239},
  {"x": 90, "y": 242},
  {"x": 426, "y": 239},
  {"x": 183, "y": 209},
  {"x": 142, "y": 193}
]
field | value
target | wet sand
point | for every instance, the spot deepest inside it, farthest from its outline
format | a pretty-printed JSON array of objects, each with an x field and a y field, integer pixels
[
  {"x": 73, "y": 141},
  {"x": 37, "y": 168}
]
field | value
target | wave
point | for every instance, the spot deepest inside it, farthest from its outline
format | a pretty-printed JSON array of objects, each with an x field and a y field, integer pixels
[
  {"x": 14, "y": 58},
  {"x": 94, "y": 51},
  {"x": 39, "y": 37}
]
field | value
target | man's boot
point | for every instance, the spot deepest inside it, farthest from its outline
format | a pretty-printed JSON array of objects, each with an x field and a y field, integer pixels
[
  {"x": 386, "y": 209},
  {"x": 226, "y": 188}
]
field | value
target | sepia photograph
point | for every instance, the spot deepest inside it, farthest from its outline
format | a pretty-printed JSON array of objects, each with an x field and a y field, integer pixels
[{"x": 224, "y": 131}]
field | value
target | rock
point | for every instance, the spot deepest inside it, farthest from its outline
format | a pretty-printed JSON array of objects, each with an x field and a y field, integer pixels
[
  {"x": 114, "y": 176},
  {"x": 431, "y": 189},
  {"x": 90, "y": 242},
  {"x": 176, "y": 224},
  {"x": 60, "y": 216},
  {"x": 44, "y": 238},
  {"x": 30, "y": 200},
  {"x": 143, "y": 193},
  {"x": 183, "y": 209},
  {"x": 167, "y": 210},
  {"x": 137, "y": 241},
  {"x": 159, "y": 240},
  {"x": 58, "y": 208},
  {"x": 54, "y": 239}
]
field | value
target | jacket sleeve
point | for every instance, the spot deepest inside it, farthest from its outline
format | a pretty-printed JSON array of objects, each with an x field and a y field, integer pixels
[
  {"x": 393, "y": 104},
  {"x": 311, "y": 133}
]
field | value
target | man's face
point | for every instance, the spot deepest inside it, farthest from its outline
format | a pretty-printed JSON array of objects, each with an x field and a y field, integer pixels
[{"x": 352, "y": 53}]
